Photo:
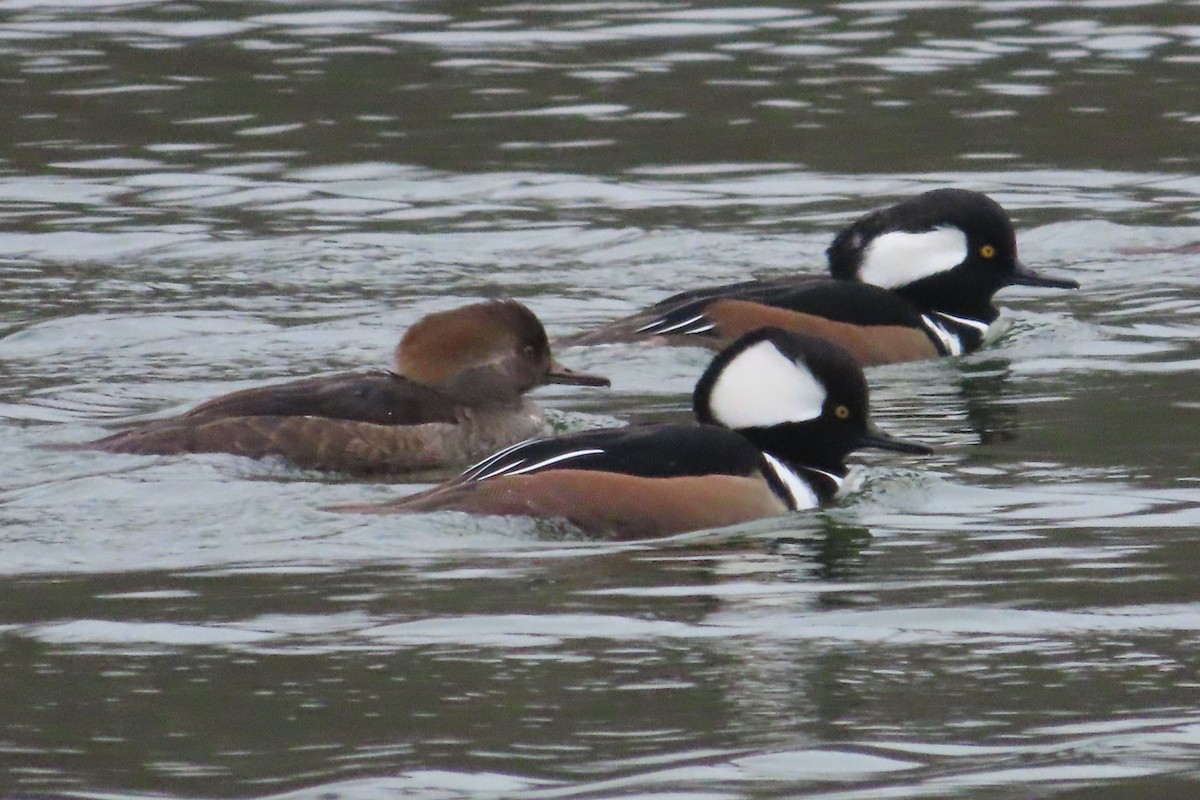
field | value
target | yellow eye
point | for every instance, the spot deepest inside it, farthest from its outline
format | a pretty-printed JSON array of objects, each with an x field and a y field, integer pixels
[
  {"x": 841, "y": 412},
  {"x": 987, "y": 251}
]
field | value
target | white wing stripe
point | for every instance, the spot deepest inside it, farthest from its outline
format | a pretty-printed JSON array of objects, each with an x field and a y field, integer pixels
[
  {"x": 678, "y": 325},
  {"x": 494, "y": 457},
  {"x": 801, "y": 494},
  {"x": 500, "y": 470},
  {"x": 555, "y": 460},
  {"x": 951, "y": 342},
  {"x": 977, "y": 324},
  {"x": 648, "y": 326},
  {"x": 837, "y": 481}
]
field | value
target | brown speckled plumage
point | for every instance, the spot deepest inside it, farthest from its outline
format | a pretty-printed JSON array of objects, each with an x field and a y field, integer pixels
[{"x": 456, "y": 395}]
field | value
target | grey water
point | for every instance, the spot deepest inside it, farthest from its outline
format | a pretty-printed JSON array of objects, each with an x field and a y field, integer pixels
[{"x": 201, "y": 197}]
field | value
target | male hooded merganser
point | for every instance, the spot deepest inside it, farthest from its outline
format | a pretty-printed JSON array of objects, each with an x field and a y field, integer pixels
[
  {"x": 779, "y": 412},
  {"x": 912, "y": 281},
  {"x": 455, "y": 395}
]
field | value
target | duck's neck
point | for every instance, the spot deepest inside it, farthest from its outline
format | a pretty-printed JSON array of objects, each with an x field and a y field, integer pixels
[
  {"x": 957, "y": 298},
  {"x": 953, "y": 313},
  {"x": 478, "y": 388}
]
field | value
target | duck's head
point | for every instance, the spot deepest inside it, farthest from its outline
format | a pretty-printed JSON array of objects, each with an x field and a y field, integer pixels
[
  {"x": 945, "y": 250},
  {"x": 796, "y": 396},
  {"x": 483, "y": 354}
]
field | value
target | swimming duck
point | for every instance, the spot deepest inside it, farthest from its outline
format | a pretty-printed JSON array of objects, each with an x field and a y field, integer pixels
[
  {"x": 778, "y": 411},
  {"x": 455, "y": 393},
  {"x": 909, "y": 282}
]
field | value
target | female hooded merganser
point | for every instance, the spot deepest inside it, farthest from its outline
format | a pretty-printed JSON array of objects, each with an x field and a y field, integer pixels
[
  {"x": 455, "y": 395},
  {"x": 779, "y": 412},
  {"x": 912, "y": 281}
]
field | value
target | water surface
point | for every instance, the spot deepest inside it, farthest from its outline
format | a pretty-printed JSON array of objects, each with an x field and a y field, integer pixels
[{"x": 201, "y": 198}]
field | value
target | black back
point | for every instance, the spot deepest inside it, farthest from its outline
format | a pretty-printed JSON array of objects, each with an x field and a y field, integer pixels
[
  {"x": 841, "y": 301},
  {"x": 647, "y": 451}
]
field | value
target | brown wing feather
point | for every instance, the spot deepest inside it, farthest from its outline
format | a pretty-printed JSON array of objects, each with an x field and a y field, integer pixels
[
  {"x": 361, "y": 448},
  {"x": 307, "y": 442},
  {"x": 632, "y": 327},
  {"x": 869, "y": 344},
  {"x": 624, "y": 506},
  {"x": 380, "y": 397}
]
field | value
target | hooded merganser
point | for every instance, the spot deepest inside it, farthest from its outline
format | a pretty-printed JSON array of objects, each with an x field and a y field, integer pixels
[
  {"x": 779, "y": 411},
  {"x": 455, "y": 395},
  {"x": 912, "y": 281}
]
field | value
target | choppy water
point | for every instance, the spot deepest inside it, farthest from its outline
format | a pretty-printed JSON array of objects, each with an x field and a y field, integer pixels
[{"x": 201, "y": 197}]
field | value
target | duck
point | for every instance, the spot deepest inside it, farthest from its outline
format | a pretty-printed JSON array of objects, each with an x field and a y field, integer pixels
[
  {"x": 909, "y": 282},
  {"x": 454, "y": 394},
  {"x": 777, "y": 412}
]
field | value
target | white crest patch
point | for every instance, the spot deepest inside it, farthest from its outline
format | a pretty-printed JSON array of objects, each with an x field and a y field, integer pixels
[
  {"x": 898, "y": 258},
  {"x": 762, "y": 387}
]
